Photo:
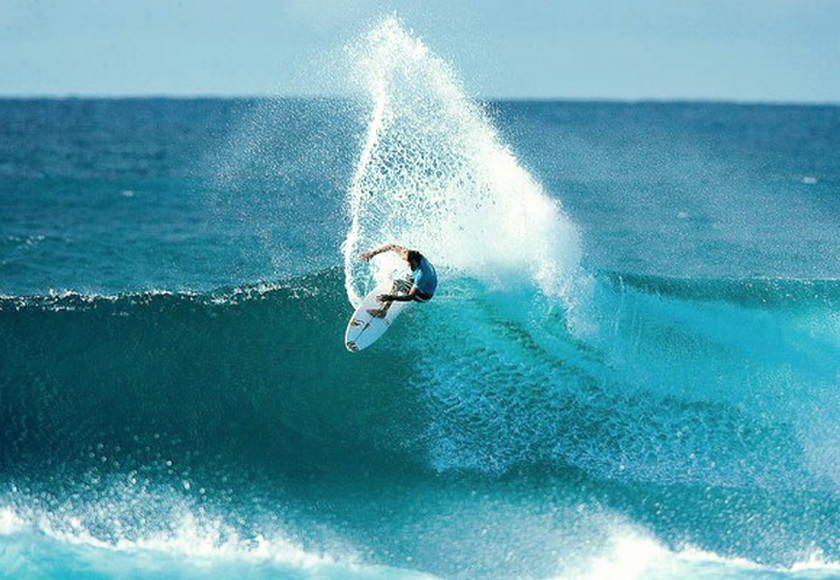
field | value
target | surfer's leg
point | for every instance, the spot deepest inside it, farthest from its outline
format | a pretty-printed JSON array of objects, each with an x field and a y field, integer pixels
[
  {"x": 380, "y": 312},
  {"x": 399, "y": 286},
  {"x": 402, "y": 286}
]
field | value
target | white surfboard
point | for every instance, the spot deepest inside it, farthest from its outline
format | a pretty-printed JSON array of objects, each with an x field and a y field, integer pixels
[{"x": 364, "y": 329}]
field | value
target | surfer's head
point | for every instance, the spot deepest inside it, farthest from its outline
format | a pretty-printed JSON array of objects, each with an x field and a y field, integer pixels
[{"x": 413, "y": 259}]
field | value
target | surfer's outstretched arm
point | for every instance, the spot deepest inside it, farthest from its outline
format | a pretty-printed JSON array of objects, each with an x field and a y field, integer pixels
[{"x": 364, "y": 257}]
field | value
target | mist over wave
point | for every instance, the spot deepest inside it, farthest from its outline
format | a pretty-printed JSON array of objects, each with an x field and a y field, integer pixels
[{"x": 434, "y": 175}]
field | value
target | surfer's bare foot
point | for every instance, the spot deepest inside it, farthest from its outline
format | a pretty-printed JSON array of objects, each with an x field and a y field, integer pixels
[{"x": 378, "y": 312}]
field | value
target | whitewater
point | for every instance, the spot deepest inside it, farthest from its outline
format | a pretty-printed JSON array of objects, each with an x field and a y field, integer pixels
[
  {"x": 630, "y": 368},
  {"x": 434, "y": 174}
]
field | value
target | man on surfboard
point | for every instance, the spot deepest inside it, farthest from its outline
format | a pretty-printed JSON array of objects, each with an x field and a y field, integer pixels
[{"x": 418, "y": 287}]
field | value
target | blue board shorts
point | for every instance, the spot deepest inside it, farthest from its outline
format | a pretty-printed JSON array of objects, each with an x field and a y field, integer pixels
[{"x": 404, "y": 286}]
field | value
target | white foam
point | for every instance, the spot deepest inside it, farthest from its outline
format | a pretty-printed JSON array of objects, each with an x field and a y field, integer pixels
[
  {"x": 434, "y": 175},
  {"x": 10, "y": 523},
  {"x": 816, "y": 562},
  {"x": 631, "y": 553},
  {"x": 594, "y": 544},
  {"x": 127, "y": 519},
  {"x": 627, "y": 556},
  {"x": 189, "y": 544}
]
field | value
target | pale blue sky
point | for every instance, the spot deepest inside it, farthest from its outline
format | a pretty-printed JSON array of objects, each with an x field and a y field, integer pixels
[{"x": 744, "y": 50}]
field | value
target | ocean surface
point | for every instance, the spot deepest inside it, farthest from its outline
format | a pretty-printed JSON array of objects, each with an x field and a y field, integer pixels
[{"x": 631, "y": 368}]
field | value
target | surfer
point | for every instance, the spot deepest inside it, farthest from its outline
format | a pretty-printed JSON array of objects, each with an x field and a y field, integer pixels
[{"x": 418, "y": 287}]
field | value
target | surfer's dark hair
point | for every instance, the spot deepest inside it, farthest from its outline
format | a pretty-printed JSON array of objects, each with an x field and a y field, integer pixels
[{"x": 414, "y": 258}]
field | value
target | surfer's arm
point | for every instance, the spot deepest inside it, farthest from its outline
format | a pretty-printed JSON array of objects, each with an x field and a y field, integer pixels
[{"x": 386, "y": 248}]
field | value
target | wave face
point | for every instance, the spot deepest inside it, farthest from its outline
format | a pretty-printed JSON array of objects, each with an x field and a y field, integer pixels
[
  {"x": 151, "y": 420},
  {"x": 434, "y": 175},
  {"x": 649, "y": 390}
]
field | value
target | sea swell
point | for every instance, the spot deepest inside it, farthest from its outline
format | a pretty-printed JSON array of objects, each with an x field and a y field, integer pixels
[
  {"x": 251, "y": 371},
  {"x": 199, "y": 401},
  {"x": 485, "y": 380}
]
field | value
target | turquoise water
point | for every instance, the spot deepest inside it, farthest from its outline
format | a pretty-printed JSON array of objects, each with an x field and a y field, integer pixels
[{"x": 630, "y": 369}]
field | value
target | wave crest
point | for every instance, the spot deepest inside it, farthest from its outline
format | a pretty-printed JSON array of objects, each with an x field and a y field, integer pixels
[{"x": 433, "y": 174}]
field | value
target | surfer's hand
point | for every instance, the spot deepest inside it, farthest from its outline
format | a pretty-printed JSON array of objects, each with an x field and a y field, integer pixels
[{"x": 364, "y": 256}]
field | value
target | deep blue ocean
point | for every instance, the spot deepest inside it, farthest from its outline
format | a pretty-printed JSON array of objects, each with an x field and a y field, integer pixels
[{"x": 631, "y": 368}]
